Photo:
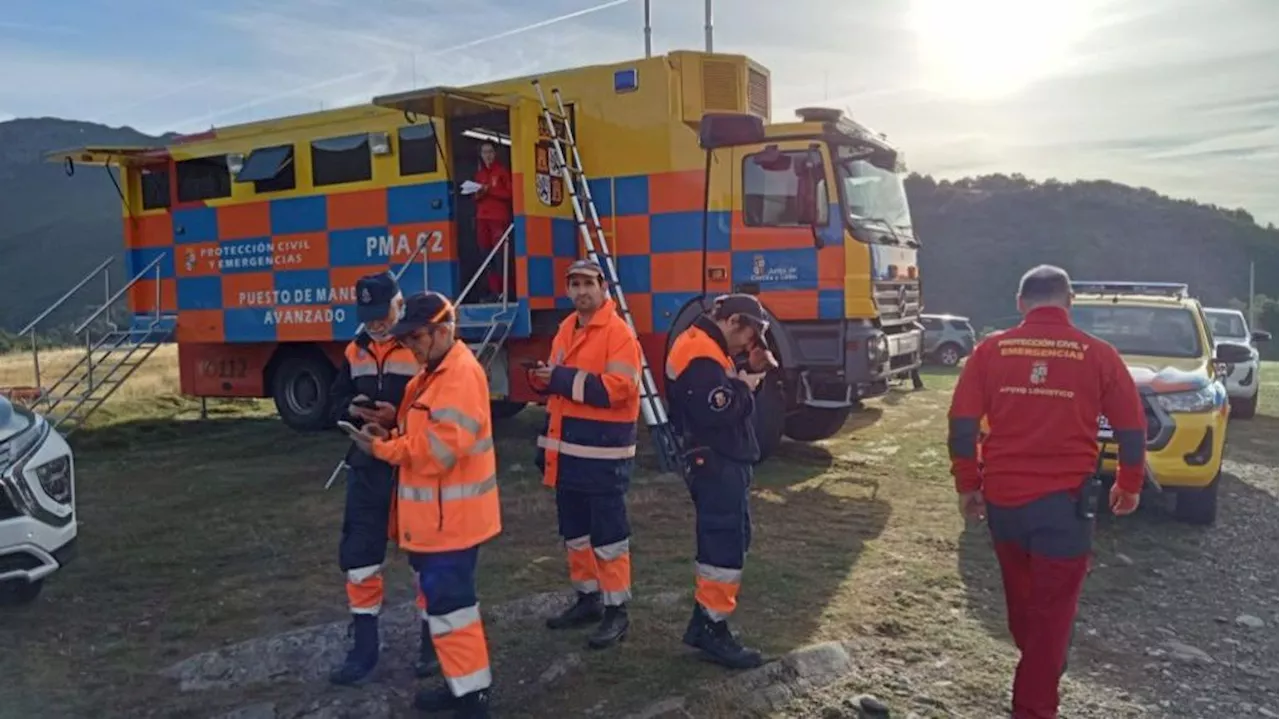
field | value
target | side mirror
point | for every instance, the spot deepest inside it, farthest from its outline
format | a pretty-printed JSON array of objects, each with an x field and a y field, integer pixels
[
  {"x": 1232, "y": 353},
  {"x": 1261, "y": 336}
]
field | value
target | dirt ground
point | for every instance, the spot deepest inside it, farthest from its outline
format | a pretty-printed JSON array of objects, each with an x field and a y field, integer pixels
[{"x": 196, "y": 535}]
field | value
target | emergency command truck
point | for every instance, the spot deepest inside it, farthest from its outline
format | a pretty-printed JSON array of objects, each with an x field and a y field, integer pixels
[{"x": 246, "y": 241}]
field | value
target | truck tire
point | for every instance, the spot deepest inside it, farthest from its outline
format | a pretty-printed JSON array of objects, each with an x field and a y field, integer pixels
[
  {"x": 770, "y": 415},
  {"x": 1246, "y": 409},
  {"x": 300, "y": 388},
  {"x": 19, "y": 593},
  {"x": 502, "y": 409},
  {"x": 811, "y": 424},
  {"x": 1198, "y": 506}
]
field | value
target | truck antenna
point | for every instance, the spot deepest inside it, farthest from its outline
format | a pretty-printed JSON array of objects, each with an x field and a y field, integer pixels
[
  {"x": 648, "y": 29},
  {"x": 708, "y": 25}
]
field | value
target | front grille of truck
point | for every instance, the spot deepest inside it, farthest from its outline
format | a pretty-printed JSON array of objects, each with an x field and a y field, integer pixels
[
  {"x": 7, "y": 510},
  {"x": 897, "y": 300}
]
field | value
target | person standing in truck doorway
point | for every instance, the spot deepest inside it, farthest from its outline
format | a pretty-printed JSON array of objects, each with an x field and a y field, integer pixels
[
  {"x": 493, "y": 213},
  {"x": 368, "y": 388},
  {"x": 1041, "y": 387}
]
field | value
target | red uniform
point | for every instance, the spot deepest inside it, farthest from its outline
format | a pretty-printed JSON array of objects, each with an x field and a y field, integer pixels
[
  {"x": 493, "y": 215},
  {"x": 1041, "y": 387}
]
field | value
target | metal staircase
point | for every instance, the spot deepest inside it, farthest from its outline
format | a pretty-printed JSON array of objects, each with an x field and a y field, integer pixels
[
  {"x": 111, "y": 354},
  {"x": 597, "y": 248}
]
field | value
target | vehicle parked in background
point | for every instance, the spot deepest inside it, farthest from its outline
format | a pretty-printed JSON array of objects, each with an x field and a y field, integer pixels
[
  {"x": 37, "y": 503},
  {"x": 1163, "y": 336},
  {"x": 947, "y": 338},
  {"x": 1241, "y": 379}
]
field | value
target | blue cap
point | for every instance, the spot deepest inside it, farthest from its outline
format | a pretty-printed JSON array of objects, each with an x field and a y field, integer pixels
[
  {"x": 374, "y": 294},
  {"x": 421, "y": 310}
]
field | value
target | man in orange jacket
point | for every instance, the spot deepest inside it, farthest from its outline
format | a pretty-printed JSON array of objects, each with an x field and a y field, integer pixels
[
  {"x": 447, "y": 498},
  {"x": 587, "y": 451},
  {"x": 493, "y": 211}
]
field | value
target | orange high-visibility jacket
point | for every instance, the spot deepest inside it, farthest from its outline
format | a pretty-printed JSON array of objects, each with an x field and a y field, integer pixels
[
  {"x": 590, "y": 437},
  {"x": 447, "y": 497}
]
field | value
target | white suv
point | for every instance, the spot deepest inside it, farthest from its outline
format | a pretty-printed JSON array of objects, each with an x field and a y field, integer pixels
[
  {"x": 1242, "y": 380},
  {"x": 37, "y": 503}
]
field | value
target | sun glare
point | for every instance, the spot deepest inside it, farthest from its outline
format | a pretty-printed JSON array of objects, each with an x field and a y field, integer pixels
[{"x": 983, "y": 49}]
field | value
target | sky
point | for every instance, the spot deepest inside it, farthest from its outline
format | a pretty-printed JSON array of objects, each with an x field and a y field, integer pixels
[{"x": 1176, "y": 95}]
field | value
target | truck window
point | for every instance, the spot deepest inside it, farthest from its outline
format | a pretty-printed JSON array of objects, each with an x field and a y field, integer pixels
[
  {"x": 417, "y": 150},
  {"x": 771, "y": 191},
  {"x": 270, "y": 169},
  {"x": 203, "y": 178},
  {"x": 155, "y": 188},
  {"x": 335, "y": 160}
]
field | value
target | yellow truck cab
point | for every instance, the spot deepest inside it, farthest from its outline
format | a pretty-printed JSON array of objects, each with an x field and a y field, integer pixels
[{"x": 1162, "y": 334}]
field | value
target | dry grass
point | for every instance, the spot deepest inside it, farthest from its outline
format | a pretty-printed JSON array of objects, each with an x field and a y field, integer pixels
[{"x": 199, "y": 533}]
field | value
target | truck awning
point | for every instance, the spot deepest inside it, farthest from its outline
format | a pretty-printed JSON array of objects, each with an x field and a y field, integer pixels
[
  {"x": 119, "y": 155},
  {"x": 443, "y": 102}
]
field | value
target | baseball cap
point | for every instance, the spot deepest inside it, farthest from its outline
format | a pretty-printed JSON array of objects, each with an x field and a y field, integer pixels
[
  {"x": 374, "y": 295},
  {"x": 585, "y": 267},
  {"x": 747, "y": 306},
  {"x": 423, "y": 309}
]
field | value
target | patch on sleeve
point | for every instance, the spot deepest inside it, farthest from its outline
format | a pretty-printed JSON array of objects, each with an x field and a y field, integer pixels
[{"x": 719, "y": 399}]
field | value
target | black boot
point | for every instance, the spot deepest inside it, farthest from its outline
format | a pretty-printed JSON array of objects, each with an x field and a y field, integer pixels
[
  {"x": 718, "y": 644},
  {"x": 439, "y": 700},
  {"x": 427, "y": 663},
  {"x": 363, "y": 656},
  {"x": 612, "y": 629},
  {"x": 589, "y": 608}
]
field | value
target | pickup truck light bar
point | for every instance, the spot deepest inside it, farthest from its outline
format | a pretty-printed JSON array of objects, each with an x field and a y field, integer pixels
[{"x": 1170, "y": 289}]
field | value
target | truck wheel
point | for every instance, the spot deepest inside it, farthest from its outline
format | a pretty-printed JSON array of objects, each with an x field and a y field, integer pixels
[
  {"x": 1198, "y": 506},
  {"x": 19, "y": 593},
  {"x": 301, "y": 391},
  {"x": 770, "y": 415},
  {"x": 502, "y": 409},
  {"x": 811, "y": 424},
  {"x": 1246, "y": 409},
  {"x": 948, "y": 354}
]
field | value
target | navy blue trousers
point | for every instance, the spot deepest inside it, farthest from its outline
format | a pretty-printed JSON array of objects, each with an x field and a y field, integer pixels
[
  {"x": 365, "y": 516},
  {"x": 721, "y": 492}
]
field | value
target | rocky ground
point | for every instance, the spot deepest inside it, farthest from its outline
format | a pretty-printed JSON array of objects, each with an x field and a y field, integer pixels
[{"x": 207, "y": 589}]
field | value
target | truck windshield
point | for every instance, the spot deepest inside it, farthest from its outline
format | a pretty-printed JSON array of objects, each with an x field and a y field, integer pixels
[
  {"x": 875, "y": 196},
  {"x": 1135, "y": 330}
]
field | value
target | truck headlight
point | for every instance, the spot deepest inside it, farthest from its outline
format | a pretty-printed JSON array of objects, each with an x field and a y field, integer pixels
[
  {"x": 22, "y": 443},
  {"x": 877, "y": 349},
  {"x": 1200, "y": 400},
  {"x": 55, "y": 478}
]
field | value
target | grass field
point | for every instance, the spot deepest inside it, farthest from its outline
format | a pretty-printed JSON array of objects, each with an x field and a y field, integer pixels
[{"x": 196, "y": 534}]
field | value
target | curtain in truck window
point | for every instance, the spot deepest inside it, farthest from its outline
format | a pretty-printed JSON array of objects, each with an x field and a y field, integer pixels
[{"x": 336, "y": 160}]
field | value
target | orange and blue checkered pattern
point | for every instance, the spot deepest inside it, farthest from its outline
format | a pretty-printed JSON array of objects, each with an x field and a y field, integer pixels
[{"x": 285, "y": 269}]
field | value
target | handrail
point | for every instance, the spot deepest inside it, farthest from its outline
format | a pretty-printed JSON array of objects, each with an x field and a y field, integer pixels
[
  {"x": 499, "y": 245},
  {"x": 66, "y": 296},
  {"x": 120, "y": 293},
  {"x": 422, "y": 246}
]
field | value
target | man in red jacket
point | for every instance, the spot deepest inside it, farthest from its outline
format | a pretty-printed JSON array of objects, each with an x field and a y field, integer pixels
[
  {"x": 1041, "y": 387},
  {"x": 493, "y": 211}
]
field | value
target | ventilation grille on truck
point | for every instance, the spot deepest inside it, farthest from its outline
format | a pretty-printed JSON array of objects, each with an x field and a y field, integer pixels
[
  {"x": 757, "y": 93},
  {"x": 720, "y": 86}
]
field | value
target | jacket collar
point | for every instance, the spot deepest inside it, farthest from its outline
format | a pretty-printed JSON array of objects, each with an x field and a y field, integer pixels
[
  {"x": 1047, "y": 316},
  {"x": 600, "y": 318},
  {"x": 708, "y": 325}
]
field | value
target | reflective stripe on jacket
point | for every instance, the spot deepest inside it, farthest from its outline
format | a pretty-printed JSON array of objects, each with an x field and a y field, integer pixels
[
  {"x": 377, "y": 370},
  {"x": 447, "y": 498},
  {"x": 589, "y": 440}
]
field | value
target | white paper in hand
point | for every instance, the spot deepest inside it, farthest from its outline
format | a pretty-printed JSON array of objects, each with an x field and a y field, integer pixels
[{"x": 471, "y": 188}]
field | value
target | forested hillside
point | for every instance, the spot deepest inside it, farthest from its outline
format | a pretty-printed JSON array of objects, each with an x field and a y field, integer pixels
[{"x": 979, "y": 234}]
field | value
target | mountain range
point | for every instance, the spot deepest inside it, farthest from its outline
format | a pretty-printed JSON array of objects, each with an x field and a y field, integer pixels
[{"x": 978, "y": 234}]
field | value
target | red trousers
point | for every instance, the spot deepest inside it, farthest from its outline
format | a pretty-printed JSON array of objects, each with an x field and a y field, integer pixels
[
  {"x": 1044, "y": 550},
  {"x": 488, "y": 232}
]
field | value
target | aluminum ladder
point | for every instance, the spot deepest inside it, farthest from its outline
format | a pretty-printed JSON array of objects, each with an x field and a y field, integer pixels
[{"x": 597, "y": 247}]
